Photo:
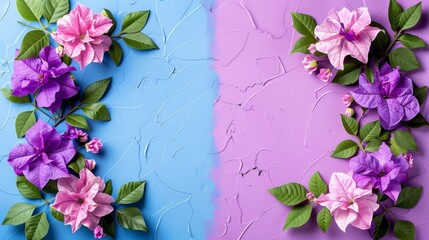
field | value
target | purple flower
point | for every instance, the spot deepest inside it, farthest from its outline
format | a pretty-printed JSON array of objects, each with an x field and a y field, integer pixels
[
  {"x": 409, "y": 159},
  {"x": 82, "y": 136},
  {"x": 47, "y": 75},
  {"x": 94, "y": 146},
  {"x": 381, "y": 170},
  {"x": 392, "y": 95},
  {"x": 98, "y": 232},
  {"x": 71, "y": 132},
  {"x": 45, "y": 156}
]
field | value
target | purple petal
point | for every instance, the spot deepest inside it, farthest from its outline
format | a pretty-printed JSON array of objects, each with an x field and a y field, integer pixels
[
  {"x": 383, "y": 155},
  {"x": 47, "y": 93},
  {"x": 367, "y": 94},
  {"x": 43, "y": 136},
  {"x": 38, "y": 174},
  {"x": 21, "y": 155},
  {"x": 391, "y": 113},
  {"x": 64, "y": 153},
  {"x": 50, "y": 57},
  {"x": 404, "y": 87},
  {"x": 393, "y": 190},
  {"x": 67, "y": 87},
  {"x": 26, "y": 76},
  {"x": 411, "y": 106}
]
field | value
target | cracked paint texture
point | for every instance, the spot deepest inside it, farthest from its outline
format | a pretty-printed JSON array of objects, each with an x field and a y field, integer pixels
[
  {"x": 161, "y": 105},
  {"x": 276, "y": 124}
]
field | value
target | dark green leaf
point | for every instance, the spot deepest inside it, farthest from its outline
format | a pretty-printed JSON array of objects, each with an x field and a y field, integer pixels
[
  {"x": 24, "y": 121},
  {"x": 324, "y": 219},
  {"x": 94, "y": 92},
  {"x": 130, "y": 192},
  {"x": 77, "y": 163},
  {"x": 420, "y": 94},
  {"x": 134, "y": 22},
  {"x": 304, "y": 24},
  {"x": 57, "y": 215},
  {"x": 107, "y": 223},
  {"x": 139, "y": 41},
  {"x": 405, "y": 140},
  {"x": 8, "y": 94},
  {"x": 404, "y": 58},
  {"x": 381, "y": 197},
  {"x": 345, "y": 149},
  {"x": 381, "y": 227},
  {"x": 55, "y": 9},
  {"x": 107, "y": 13},
  {"x": 350, "y": 124},
  {"x": 417, "y": 122},
  {"x": 96, "y": 111},
  {"x": 404, "y": 230},
  {"x": 370, "y": 131},
  {"x": 290, "y": 194},
  {"x": 369, "y": 73},
  {"x": 373, "y": 145},
  {"x": 381, "y": 42},
  {"x": 30, "y": 10},
  {"x": 131, "y": 218},
  {"x": 115, "y": 52},
  {"x": 412, "y": 42},
  {"x": 19, "y": 214},
  {"x": 409, "y": 197},
  {"x": 395, "y": 148},
  {"x": 77, "y": 120},
  {"x": 349, "y": 75},
  {"x": 32, "y": 43},
  {"x": 51, "y": 187},
  {"x": 316, "y": 185},
  {"x": 37, "y": 227},
  {"x": 302, "y": 44},
  {"x": 384, "y": 135},
  {"x": 109, "y": 188},
  {"x": 395, "y": 11},
  {"x": 27, "y": 189},
  {"x": 298, "y": 216},
  {"x": 411, "y": 16}
]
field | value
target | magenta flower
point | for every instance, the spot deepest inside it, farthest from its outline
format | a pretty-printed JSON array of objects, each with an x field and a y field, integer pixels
[
  {"x": 312, "y": 48},
  {"x": 409, "y": 159},
  {"x": 45, "y": 156},
  {"x": 90, "y": 164},
  {"x": 82, "y": 136},
  {"x": 94, "y": 146},
  {"x": 82, "y": 200},
  {"x": 45, "y": 75},
  {"x": 348, "y": 203},
  {"x": 380, "y": 170},
  {"x": 310, "y": 64},
  {"x": 346, "y": 33},
  {"x": 71, "y": 132},
  {"x": 347, "y": 100},
  {"x": 325, "y": 74},
  {"x": 392, "y": 95},
  {"x": 99, "y": 232},
  {"x": 81, "y": 32}
]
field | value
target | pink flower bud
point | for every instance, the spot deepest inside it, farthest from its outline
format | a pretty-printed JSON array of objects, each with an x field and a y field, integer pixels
[
  {"x": 310, "y": 196},
  {"x": 60, "y": 51},
  {"x": 98, "y": 232},
  {"x": 347, "y": 100},
  {"x": 310, "y": 64},
  {"x": 94, "y": 146},
  {"x": 409, "y": 159},
  {"x": 325, "y": 74},
  {"x": 82, "y": 136},
  {"x": 90, "y": 164},
  {"x": 350, "y": 112},
  {"x": 312, "y": 48}
]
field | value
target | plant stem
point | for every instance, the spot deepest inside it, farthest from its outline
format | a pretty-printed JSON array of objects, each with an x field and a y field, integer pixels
[
  {"x": 28, "y": 26},
  {"x": 388, "y": 210},
  {"x": 61, "y": 119},
  {"x": 395, "y": 39},
  {"x": 116, "y": 36},
  {"x": 39, "y": 109}
]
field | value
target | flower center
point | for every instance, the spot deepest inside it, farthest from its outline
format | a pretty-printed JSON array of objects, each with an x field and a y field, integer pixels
[
  {"x": 382, "y": 173},
  {"x": 82, "y": 37},
  {"x": 348, "y": 34}
]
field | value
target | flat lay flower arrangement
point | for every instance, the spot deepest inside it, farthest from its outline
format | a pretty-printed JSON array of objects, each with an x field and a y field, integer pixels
[
  {"x": 350, "y": 49},
  {"x": 49, "y": 166}
]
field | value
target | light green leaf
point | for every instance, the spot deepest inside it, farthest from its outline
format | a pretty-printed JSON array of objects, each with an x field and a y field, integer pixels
[
  {"x": 395, "y": 12},
  {"x": 404, "y": 58},
  {"x": 302, "y": 44},
  {"x": 134, "y": 22},
  {"x": 131, "y": 218},
  {"x": 369, "y": 73},
  {"x": 109, "y": 188},
  {"x": 396, "y": 150},
  {"x": 350, "y": 124},
  {"x": 27, "y": 189},
  {"x": 96, "y": 111},
  {"x": 298, "y": 216},
  {"x": 55, "y": 9},
  {"x": 37, "y": 227},
  {"x": 373, "y": 145},
  {"x": 77, "y": 120},
  {"x": 404, "y": 230},
  {"x": 57, "y": 215},
  {"x": 409, "y": 197},
  {"x": 32, "y": 43},
  {"x": 381, "y": 227},
  {"x": 324, "y": 219},
  {"x": 30, "y": 10},
  {"x": 405, "y": 140},
  {"x": 107, "y": 13},
  {"x": 411, "y": 16},
  {"x": 8, "y": 95},
  {"x": 345, "y": 149},
  {"x": 24, "y": 121},
  {"x": 412, "y": 42},
  {"x": 115, "y": 52},
  {"x": 304, "y": 24},
  {"x": 316, "y": 185},
  {"x": 349, "y": 75},
  {"x": 139, "y": 41},
  {"x": 94, "y": 92},
  {"x": 19, "y": 214},
  {"x": 130, "y": 192},
  {"x": 370, "y": 131},
  {"x": 290, "y": 194},
  {"x": 77, "y": 163}
]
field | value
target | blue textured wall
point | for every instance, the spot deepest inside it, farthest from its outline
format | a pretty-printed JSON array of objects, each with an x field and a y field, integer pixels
[{"x": 161, "y": 106}]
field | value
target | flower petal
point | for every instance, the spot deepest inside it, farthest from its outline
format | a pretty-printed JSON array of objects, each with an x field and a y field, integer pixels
[{"x": 391, "y": 113}]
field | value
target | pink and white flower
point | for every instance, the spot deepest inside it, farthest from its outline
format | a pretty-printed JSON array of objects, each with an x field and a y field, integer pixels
[
  {"x": 94, "y": 146},
  {"x": 325, "y": 74},
  {"x": 310, "y": 64},
  {"x": 347, "y": 100}
]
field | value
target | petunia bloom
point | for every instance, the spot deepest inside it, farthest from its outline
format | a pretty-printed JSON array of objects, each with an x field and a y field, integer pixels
[
  {"x": 380, "y": 170},
  {"x": 45, "y": 75},
  {"x": 392, "y": 95},
  {"x": 94, "y": 146},
  {"x": 81, "y": 32},
  {"x": 348, "y": 203},
  {"x": 346, "y": 33},
  {"x": 82, "y": 200},
  {"x": 45, "y": 157},
  {"x": 347, "y": 100},
  {"x": 310, "y": 64},
  {"x": 325, "y": 74}
]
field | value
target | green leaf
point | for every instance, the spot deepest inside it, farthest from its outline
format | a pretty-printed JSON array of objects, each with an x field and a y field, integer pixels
[
  {"x": 107, "y": 13},
  {"x": 404, "y": 58},
  {"x": 298, "y": 216},
  {"x": 395, "y": 148},
  {"x": 395, "y": 11},
  {"x": 96, "y": 111},
  {"x": 77, "y": 163},
  {"x": 51, "y": 187},
  {"x": 131, "y": 218},
  {"x": 381, "y": 42},
  {"x": 32, "y": 43},
  {"x": 94, "y": 92},
  {"x": 369, "y": 73},
  {"x": 67, "y": 60},
  {"x": 412, "y": 42},
  {"x": 8, "y": 95},
  {"x": 373, "y": 145},
  {"x": 57, "y": 215},
  {"x": 381, "y": 197},
  {"x": 77, "y": 120},
  {"x": 130, "y": 192},
  {"x": 349, "y": 75},
  {"x": 139, "y": 41},
  {"x": 302, "y": 44},
  {"x": 381, "y": 227},
  {"x": 55, "y": 9},
  {"x": 384, "y": 135},
  {"x": 37, "y": 227},
  {"x": 370, "y": 131},
  {"x": 324, "y": 219},
  {"x": 405, "y": 140},
  {"x": 24, "y": 121},
  {"x": 134, "y": 22},
  {"x": 304, "y": 24},
  {"x": 115, "y": 52},
  {"x": 316, "y": 185},
  {"x": 411, "y": 16},
  {"x": 420, "y": 94},
  {"x": 30, "y": 10},
  {"x": 19, "y": 214},
  {"x": 290, "y": 194},
  {"x": 350, "y": 124},
  {"x": 409, "y": 197},
  {"x": 345, "y": 149},
  {"x": 417, "y": 122},
  {"x": 107, "y": 223},
  {"x": 27, "y": 189},
  {"x": 109, "y": 188},
  {"x": 404, "y": 230}
]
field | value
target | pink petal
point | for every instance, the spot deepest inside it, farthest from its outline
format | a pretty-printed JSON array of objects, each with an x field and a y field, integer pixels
[
  {"x": 67, "y": 184},
  {"x": 344, "y": 217},
  {"x": 360, "y": 20}
]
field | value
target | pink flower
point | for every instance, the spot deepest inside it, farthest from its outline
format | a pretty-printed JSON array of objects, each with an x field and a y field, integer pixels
[
  {"x": 325, "y": 74},
  {"x": 348, "y": 203},
  {"x": 60, "y": 51},
  {"x": 312, "y": 48},
  {"x": 81, "y": 32},
  {"x": 99, "y": 232},
  {"x": 350, "y": 112},
  {"x": 310, "y": 196},
  {"x": 82, "y": 136},
  {"x": 347, "y": 100},
  {"x": 409, "y": 159},
  {"x": 94, "y": 146},
  {"x": 90, "y": 164},
  {"x": 82, "y": 200},
  {"x": 346, "y": 33},
  {"x": 309, "y": 64}
]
